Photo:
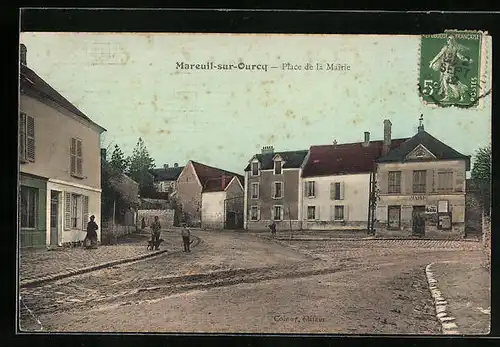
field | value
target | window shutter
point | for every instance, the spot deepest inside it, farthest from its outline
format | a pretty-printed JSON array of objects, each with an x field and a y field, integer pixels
[
  {"x": 272, "y": 213},
  {"x": 316, "y": 213},
  {"x": 67, "y": 211},
  {"x": 341, "y": 190},
  {"x": 72, "y": 150},
  {"x": 273, "y": 190},
  {"x": 258, "y": 213},
  {"x": 79, "y": 158},
  {"x": 332, "y": 191},
  {"x": 305, "y": 189},
  {"x": 314, "y": 188},
  {"x": 22, "y": 137},
  {"x": 30, "y": 138},
  {"x": 85, "y": 212},
  {"x": 346, "y": 212},
  {"x": 282, "y": 189}
]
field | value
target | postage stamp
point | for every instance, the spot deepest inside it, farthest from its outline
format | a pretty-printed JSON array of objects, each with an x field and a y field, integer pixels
[{"x": 450, "y": 68}]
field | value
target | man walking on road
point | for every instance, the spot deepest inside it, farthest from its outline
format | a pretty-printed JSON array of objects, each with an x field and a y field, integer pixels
[
  {"x": 186, "y": 233},
  {"x": 155, "y": 231}
]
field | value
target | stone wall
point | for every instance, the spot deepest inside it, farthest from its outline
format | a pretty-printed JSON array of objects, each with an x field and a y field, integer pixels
[
  {"x": 166, "y": 218},
  {"x": 110, "y": 234}
]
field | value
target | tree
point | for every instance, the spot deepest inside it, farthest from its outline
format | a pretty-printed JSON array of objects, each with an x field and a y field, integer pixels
[
  {"x": 118, "y": 160},
  {"x": 140, "y": 163},
  {"x": 481, "y": 176}
]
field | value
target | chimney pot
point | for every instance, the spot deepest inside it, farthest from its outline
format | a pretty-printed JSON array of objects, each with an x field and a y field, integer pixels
[
  {"x": 165, "y": 166},
  {"x": 176, "y": 165},
  {"x": 334, "y": 142},
  {"x": 267, "y": 149},
  {"x": 367, "y": 139},
  {"x": 23, "y": 52},
  {"x": 387, "y": 137}
]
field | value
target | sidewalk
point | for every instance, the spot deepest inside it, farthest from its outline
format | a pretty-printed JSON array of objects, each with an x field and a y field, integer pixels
[
  {"x": 37, "y": 264},
  {"x": 466, "y": 286}
]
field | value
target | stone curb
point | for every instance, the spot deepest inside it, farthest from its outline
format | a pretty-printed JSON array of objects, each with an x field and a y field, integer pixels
[
  {"x": 361, "y": 239},
  {"x": 50, "y": 278},
  {"x": 448, "y": 325}
]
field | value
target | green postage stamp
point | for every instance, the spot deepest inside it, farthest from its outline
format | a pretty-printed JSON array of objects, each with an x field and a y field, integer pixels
[{"x": 450, "y": 68}]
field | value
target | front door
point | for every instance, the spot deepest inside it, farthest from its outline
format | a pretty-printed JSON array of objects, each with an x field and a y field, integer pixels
[
  {"x": 418, "y": 217},
  {"x": 54, "y": 218}
]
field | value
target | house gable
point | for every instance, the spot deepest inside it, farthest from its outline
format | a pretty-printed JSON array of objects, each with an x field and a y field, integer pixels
[
  {"x": 186, "y": 172},
  {"x": 234, "y": 182},
  {"x": 420, "y": 153}
]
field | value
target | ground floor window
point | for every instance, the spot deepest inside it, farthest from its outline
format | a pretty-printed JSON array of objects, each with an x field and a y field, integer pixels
[
  {"x": 277, "y": 212},
  {"x": 76, "y": 209},
  {"x": 29, "y": 207},
  {"x": 311, "y": 212},
  {"x": 254, "y": 213},
  {"x": 339, "y": 212},
  {"x": 394, "y": 217}
]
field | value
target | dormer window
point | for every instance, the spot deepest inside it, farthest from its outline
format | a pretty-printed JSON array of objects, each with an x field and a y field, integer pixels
[
  {"x": 255, "y": 168},
  {"x": 277, "y": 167}
]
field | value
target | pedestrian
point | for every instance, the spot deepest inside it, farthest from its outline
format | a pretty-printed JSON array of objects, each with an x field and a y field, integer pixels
[
  {"x": 143, "y": 224},
  {"x": 186, "y": 233},
  {"x": 155, "y": 233},
  {"x": 272, "y": 226},
  {"x": 90, "y": 240}
]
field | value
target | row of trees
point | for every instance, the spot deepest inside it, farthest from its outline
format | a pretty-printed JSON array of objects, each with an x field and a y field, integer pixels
[
  {"x": 136, "y": 166},
  {"x": 481, "y": 176}
]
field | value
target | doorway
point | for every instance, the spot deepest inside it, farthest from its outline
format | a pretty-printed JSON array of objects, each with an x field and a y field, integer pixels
[
  {"x": 54, "y": 218},
  {"x": 418, "y": 219}
]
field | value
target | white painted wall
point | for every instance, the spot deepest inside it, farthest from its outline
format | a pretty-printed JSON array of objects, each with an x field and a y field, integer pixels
[
  {"x": 356, "y": 191},
  {"x": 94, "y": 209},
  {"x": 212, "y": 207}
]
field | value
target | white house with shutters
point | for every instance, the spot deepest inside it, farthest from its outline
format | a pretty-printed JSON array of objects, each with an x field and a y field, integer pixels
[
  {"x": 336, "y": 183},
  {"x": 60, "y": 165}
]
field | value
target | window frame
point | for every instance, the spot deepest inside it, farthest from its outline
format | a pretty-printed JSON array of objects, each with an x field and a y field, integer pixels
[
  {"x": 439, "y": 187},
  {"x": 274, "y": 213},
  {"x": 73, "y": 154},
  {"x": 313, "y": 207},
  {"x": 422, "y": 187},
  {"x": 256, "y": 209},
  {"x": 280, "y": 162},
  {"x": 389, "y": 185},
  {"x": 335, "y": 213},
  {"x": 252, "y": 184},
  {"x": 252, "y": 166},
  {"x": 274, "y": 190},
  {"x": 395, "y": 207},
  {"x": 31, "y": 196},
  {"x": 308, "y": 190}
]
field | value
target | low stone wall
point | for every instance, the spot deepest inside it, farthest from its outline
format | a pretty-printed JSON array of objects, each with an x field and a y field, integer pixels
[
  {"x": 486, "y": 225},
  {"x": 110, "y": 234},
  {"x": 166, "y": 218},
  {"x": 332, "y": 225}
]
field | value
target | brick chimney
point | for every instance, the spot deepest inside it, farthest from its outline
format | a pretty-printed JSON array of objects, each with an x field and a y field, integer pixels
[
  {"x": 23, "y": 51},
  {"x": 223, "y": 181},
  {"x": 367, "y": 139},
  {"x": 387, "y": 137},
  {"x": 267, "y": 149},
  {"x": 165, "y": 166}
]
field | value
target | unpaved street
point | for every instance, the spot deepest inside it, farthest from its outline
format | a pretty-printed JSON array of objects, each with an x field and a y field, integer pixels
[{"x": 241, "y": 283}]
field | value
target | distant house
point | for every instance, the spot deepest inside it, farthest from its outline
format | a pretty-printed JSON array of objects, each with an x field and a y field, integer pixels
[
  {"x": 60, "y": 165},
  {"x": 204, "y": 191},
  {"x": 336, "y": 184},
  {"x": 272, "y": 189},
  {"x": 422, "y": 188},
  {"x": 165, "y": 179}
]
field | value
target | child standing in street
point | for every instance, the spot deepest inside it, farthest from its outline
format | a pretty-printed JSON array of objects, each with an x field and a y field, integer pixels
[{"x": 186, "y": 234}]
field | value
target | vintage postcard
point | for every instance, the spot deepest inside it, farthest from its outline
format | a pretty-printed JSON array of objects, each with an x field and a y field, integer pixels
[{"x": 255, "y": 183}]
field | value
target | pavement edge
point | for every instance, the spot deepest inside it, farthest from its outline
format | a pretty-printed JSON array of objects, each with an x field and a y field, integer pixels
[
  {"x": 50, "y": 278},
  {"x": 448, "y": 325}
]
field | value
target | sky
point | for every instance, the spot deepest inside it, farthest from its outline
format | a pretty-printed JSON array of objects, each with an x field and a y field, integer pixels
[{"x": 131, "y": 85}]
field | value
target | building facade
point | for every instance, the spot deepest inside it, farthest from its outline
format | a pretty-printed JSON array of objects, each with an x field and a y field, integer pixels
[
  {"x": 194, "y": 180},
  {"x": 165, "y": 179},
  {"x": 272, "y": 189},
  {"x": 222, "y": 205},
  {"x": 60, "y": 171},
  {"x": 336, "y": 184},
  {"x": 422, "y": 189}
]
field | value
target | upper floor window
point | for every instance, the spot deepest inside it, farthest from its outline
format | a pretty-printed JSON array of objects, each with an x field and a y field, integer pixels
[
  {"x": 255, "y": 191},
  {"x": 337, "y": 191},
  {"x": 445, "y": 181},
  {"x": 76, "y": 157},
  {"x": 26, "y": 138},
  {"x": 255, "y": 169},
  {"x": 310, "y": 189},
  {"x": 277, "y": 190},
  {"x": 394, "y": 185},
  {"x": 278, "y": 167},
  {"x": 419, "y": 178}
]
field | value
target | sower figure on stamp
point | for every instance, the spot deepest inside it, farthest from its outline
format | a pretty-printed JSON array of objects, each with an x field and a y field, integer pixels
[
  {"x": 155, "y": 233},
  {"x": 186, "y": 233},
  {"x": 90, "y": 240}
]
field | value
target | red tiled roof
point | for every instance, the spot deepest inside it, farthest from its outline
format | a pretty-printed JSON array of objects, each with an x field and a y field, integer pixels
[
  {"x": 213, "y": 179},
  {"x": 349, "y": 158}
]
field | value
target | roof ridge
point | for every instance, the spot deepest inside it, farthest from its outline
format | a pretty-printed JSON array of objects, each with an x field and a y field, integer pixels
[
  {"x": 361, "y": 142},
  {"x": 442, "y": 143},
  {"x": 215, "y": 168}
]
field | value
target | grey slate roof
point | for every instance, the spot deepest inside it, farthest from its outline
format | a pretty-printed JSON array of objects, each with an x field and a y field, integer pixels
[
  {"x": 168, "y": 174},
  {"x": 293, "y": 159},
  {"x": 438, "y": 148}
]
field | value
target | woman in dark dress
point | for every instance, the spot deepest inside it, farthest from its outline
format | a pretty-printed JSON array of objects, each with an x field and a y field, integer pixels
[{"x": 91, "y": 233}]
